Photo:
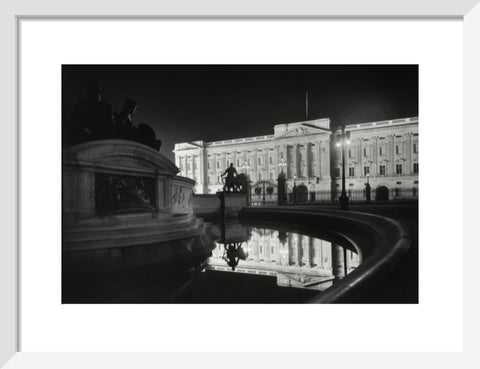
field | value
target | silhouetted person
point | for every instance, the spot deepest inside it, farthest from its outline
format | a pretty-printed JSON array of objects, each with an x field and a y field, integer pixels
[{"x": 91, "y": 119}]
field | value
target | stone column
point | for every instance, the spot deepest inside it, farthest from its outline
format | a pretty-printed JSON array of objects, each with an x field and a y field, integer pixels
[
  {"x": 308, "y": 253},
  {"x": 394, "y": 155},
  {"x": 319, "y": 159},
  {"x": 277, "y": 245},
  {"x": 338, "y": 262},
  {"x": 295, "y": 160},
  {"x": 299, "y": 250},
  {"x": 291, "y": 248},
  {"x": 408, "y": 154}
]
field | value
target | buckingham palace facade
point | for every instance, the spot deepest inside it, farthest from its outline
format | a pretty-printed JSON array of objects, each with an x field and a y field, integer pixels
[{"x": 384, "y": 154}]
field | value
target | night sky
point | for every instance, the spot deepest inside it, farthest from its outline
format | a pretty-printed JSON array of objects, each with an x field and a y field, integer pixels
[{"x": 215, "y": 102}]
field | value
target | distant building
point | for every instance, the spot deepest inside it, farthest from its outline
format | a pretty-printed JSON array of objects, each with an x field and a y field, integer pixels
[{"x": 383, "y": 153}]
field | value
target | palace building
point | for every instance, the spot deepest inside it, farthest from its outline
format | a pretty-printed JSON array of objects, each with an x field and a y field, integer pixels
[{"x": 383, "y": 154}]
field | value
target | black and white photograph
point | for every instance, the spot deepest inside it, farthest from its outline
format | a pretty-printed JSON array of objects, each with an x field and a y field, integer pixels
[{"x": 240, "y": 184}]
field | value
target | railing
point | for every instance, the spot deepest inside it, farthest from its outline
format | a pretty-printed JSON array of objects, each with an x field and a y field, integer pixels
[{"x": 330, "y": 197}]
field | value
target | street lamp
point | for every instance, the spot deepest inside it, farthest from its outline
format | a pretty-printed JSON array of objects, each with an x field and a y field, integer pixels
[
  {"x": 344, "y": 140},
  {"x": 368, "y": 189},
  {"x": 281, "y": 188}
]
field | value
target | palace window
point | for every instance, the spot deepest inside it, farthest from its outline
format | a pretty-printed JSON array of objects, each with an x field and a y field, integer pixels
[
  {"x": 270, "y": 159},
  {"x": 238, "y": 162},
  {"x": 209, "y": 165},
  {"x": 415, "y": 148},
  {"x": 351, "y": 172},
  {"x": 260, "y": 161},
  {"x": 380, "y": 151},
  {"x": 218, "y": 164},
  {"x": 399, "y": 169},
  {"x": 350, "y": 153},
  {"x": 188, "y": 165},
  {"x": 366, "y": 170},
  {"x": 415, "y": 168},
  {"x": 337, "y": 172},
  {"x": 272, "y": 175},
  {"x": 382, "y": 170},
  {"x": 249, "y": 161},
  {"x": 260, "y": 176}
]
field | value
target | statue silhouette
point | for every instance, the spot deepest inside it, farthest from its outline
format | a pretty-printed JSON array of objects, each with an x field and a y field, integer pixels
[{"x": 91, "y": 118}]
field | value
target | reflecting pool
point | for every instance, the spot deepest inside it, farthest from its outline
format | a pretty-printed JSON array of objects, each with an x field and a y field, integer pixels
[{"x": 231, "y": 263}]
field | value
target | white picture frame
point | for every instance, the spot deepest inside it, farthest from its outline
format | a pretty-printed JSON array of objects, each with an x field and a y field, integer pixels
[{"x": 14, "y": 11}]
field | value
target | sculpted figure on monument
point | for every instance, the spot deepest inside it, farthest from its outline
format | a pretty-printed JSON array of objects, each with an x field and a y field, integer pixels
[
  {"x": 91, "y": 119},
  {"x": 124, "y": 119},
  {"x": 146, "y": 136},
  {"x": 231, "y": 173},
  {"x": 127, "y": 131}
]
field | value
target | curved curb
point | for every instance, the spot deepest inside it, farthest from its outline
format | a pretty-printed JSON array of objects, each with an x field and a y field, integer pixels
[{"x": 388, "y": 243}]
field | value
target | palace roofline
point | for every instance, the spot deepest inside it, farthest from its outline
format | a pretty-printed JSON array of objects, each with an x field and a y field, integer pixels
[{"x": 282, "y": 128}]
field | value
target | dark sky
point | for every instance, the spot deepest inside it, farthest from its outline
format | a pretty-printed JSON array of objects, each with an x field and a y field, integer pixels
[{"x": 215, "y": 102}]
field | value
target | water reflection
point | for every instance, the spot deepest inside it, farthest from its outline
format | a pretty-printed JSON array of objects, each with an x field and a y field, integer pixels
[{"x": 296, "y": 260}]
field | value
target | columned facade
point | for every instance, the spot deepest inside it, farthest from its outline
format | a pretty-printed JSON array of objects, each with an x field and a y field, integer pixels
[{"x": 385, "y": 154}]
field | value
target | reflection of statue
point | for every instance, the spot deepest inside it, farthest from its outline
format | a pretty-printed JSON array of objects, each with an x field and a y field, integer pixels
[
  {"x": 233, "y": 253},
  {"x": 91, "y": 119}
]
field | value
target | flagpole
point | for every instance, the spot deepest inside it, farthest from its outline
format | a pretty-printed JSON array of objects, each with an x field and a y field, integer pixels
[{"x": 306, "y": 105}]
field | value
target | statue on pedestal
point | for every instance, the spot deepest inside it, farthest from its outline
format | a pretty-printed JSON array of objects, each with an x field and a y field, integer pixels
[{"x": 91, "y": 119}]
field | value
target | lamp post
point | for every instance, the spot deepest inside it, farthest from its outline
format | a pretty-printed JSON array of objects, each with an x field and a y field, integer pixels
[
  {"x": 245, "y": 169},
  {"x": 344, "y": 140},
  {"x": 368, "y": 189},
  {"x": 281, "y": 188}
]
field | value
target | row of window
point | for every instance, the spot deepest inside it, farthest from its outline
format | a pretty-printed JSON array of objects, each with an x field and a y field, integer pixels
[
  {"x": 239, "y": 162},
  {"x": 382, "y": 150},
  {"x": 381, "y": 170}
]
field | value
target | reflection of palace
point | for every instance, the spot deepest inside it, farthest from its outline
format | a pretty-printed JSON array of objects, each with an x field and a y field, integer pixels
[
  {"x": 296, "y": 260},
  {"x": 386, "y": 152}
]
